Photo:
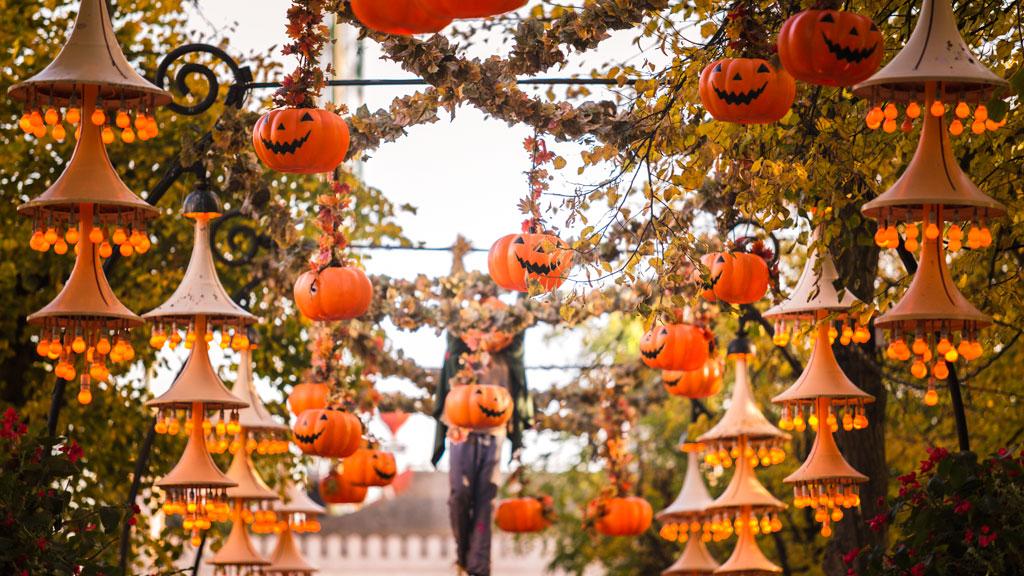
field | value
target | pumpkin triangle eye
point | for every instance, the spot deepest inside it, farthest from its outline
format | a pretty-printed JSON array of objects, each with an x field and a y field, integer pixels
[
  {"x": 480, "y": 392},
  {"x": 718, "y": 68},
  {"x": 853, "y": 32},
  {"x": 519, "y": 240},
  {"x": 828, "y": 18},
  {"x": 307, "y": 117},
  {"x": 323, "y": 416},
  {"x": 763, "y": 69},
  {"x": 280, "y": 126}
]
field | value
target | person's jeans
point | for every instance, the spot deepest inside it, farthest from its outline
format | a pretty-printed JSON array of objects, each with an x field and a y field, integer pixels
[{"x": 473, "y": 479}]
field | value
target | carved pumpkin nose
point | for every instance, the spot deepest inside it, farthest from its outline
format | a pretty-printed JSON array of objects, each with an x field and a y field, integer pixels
[
  {"x": 737, "y": 77},
  {"x": 280, "y": 126},
  {"x": 853, "y": 32}
]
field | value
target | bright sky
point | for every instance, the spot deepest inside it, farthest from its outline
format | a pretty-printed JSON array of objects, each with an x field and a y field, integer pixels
[{"x": 465, "y": 176}]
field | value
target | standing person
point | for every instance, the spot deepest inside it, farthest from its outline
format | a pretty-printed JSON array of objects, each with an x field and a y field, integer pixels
[{"x": 474, "y": 455}]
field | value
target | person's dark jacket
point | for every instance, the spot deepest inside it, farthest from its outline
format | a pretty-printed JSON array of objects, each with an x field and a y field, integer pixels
[{"x": 522, "y": 400}]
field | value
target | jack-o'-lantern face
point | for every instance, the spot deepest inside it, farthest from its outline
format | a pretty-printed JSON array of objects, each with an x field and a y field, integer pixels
[
  {"x": 516, "y": 258},
  {"x": 653, "y": 343},
  {"x": 490, "y": 403},
  {"x": 849, "y": 37},
  {"x": 301, "y": 140},
  {"x": 327, "y": 432},
  {"x": 830, "y": 47},
  {"x": 370, "y": 467},
  {"x": 675, "y": 347},
  {"x": 478, "y": 406},
  {"x": 746, "y": 90}
]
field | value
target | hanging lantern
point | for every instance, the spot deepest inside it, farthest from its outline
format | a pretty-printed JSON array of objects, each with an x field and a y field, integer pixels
[
  {"x": 255, "y": 430},
  {"x": 931, "y": 190},
  {"x": 935, "y": 69},
  {"x": 933, "y": 323},
  {"x": 825, "y": 481},
  {"x": 237, "y": 556},
  {"x": 762, "y": 441},
  {"x": 830, "y": 47},
  {"x": 198, "y": 303},
  {"x": 746, "y": 91},
  {"x": 286, "y": 559},
  {"x": 686, "y": 520},
  {"x": 298, "y": 512},
  {"x": 517, "y": 260},
  {"x": 195, "y": 488},
  {"x": 743, "y": 500},
  {"x": 747, "y": 558},
  {"x": 91, "y": 77}
]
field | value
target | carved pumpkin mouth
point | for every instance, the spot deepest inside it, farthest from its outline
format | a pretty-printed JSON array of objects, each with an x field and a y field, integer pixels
[
  {"x": 845, "y": 54},
  {"x": 285, "y": 147},
  {"x": 308, "y": 439},
  {"x": 736, "y": 98},
  {"x": 383, "y": 475},
  {"x": 672, "y": 381},
  {"x": 536, "y": 268},
  {"x": 492, "y": 413},
  {"x": 652, "y": 354}
]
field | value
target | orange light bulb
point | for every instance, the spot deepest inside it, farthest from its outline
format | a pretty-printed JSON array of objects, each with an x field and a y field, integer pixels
[
  {"x": 73, "y": 116},
  {"x": 98, "y": 117},
  {"x": 108, "y": 135},
  {"x": 913, "y": 110},
  {"x": 956, "y": 127},
  {"x": 962, "y": 110},
  {"x": 937, "y": 108}
]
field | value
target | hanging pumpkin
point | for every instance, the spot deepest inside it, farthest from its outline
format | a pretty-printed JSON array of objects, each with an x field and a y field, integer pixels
[
  {"x": 329, "y": 432},
  {"x": 491, "y": 341},
  {"x": 301, "y": 140},
  {"x": 746, "y": 91},
  {"x": 335, "y": 488},
  {"x": 405, "y": 17},
  {"x": 620, "y": 516},
  {"x": 830, "y": 47},
  {"x": 478, "y": 406},
  {"x": 736, "y": 277},
  {"x": 471, "y": 8},
  {"x": 514, "y": 258},
  {"x": 334, "y": 293},
  {"x": 675, "y": 347},
  {"x": 700, "y": 383},
  {"x": 521, "y": 515},
  {"x": 370, "y": 467},
  {"x": 308, "y": 396}
]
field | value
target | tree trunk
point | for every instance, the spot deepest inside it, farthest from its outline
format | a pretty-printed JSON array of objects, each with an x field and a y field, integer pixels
[{"x": 863, "y": 449}]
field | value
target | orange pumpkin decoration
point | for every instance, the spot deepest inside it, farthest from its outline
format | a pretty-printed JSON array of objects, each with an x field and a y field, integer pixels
[
  {"x": 521, "y": 515},
  {"x": 301, "y": 140},
  {"x": 493, "y": 341},
  {"x": 746, "y": 91},
  {"x": 700, "y": 383},
  {"x": 830, "y": 47},
  {"x": 675, "y": 347},
  {"x": 308, "y": 396},
  {"x": 405, "y": 17},
  {"x": 328, "y": 432},
  {"x": 478, "y": 406},
  {"x": 736, "y": 277},
  {"x": 334, "y": 293},
  {"x": 515, "y": 258},
  {"x": 620, "y": 516},
  {"x": 370, "y": 467},
  {"x": 335, "y": 488},
  {"x": 471, "y": 8}
]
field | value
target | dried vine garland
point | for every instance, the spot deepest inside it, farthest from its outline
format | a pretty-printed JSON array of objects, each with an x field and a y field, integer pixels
[{"x": 490, "y": 84}]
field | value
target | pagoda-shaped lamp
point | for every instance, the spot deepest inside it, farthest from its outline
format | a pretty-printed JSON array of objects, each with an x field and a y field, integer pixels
[
  {"x": 933, "y": 323},
  {"x": 260, "y": 433},
  {"x": 237, "y": 556},
  {"x": 744, "y": 439},
  {"x": 686, "y": 520},
  {"x": 825, "y": 481},
  {"x": 85, "y": 327},
  {"x": 196, "y": 488},
  {"x": 299, "y": 512}
]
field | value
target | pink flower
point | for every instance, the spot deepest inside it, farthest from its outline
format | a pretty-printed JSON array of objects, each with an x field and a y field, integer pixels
[
  {"x": 985, "y": 539},
  {"x": 968, "y": 536},
  {"x": 1002, "y": 452},
  {"x": 917, "y": 569},
  {"x": 936, "y": 453},
  {"x": 850, "y": 556},
  {"x": 963, "y": 507},
  {"x": 910, "y": 478},
  {"x": 927, "y": 465}
]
